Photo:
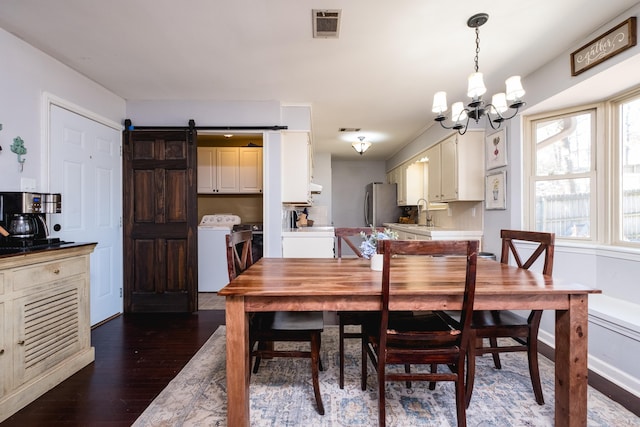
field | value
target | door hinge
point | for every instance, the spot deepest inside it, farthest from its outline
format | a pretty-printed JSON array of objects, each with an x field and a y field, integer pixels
[
  {"x": 121, "y": 151},
  {"x": 120, "y": 292},
  {"x": 120, "y": 222}
]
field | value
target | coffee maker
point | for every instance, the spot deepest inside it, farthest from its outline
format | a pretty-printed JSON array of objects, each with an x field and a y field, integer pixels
[{"x": 23, "y": 218}]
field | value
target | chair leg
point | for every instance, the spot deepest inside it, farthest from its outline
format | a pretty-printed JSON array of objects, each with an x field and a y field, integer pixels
[
  {"x": 471, "y": 374},
  {"x": 434, "y": 369},
  {"x": 460, "y": 397},
  {"x": 493, "y": 342},
  {"x": 256, "y": 364},
  {"x": 407, "y": 370},
  {"x": 315, "y": 363},
  {"x": 365, "y": 361},
  {"x": 341, "y": 354},
  {"x": 534, "y": 371},
  {"x": 381, "y": 397}
]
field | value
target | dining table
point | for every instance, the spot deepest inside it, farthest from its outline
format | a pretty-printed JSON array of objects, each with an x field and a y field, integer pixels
[{"x": 416, "y": 283}]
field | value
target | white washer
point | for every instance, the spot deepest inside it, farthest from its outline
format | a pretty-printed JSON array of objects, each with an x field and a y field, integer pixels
[{"x": 212, "y": 253}]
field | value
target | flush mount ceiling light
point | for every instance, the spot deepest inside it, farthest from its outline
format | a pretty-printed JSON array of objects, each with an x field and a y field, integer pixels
[
  {"x": 361, "y": 146},
  {"x": 477, "y": 108}
]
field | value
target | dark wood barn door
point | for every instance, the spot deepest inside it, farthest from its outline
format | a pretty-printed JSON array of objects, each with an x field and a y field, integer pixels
[{"x": 160, "y": 221}]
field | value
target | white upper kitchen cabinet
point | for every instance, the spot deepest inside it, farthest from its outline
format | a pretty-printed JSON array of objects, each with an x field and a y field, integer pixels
[
  {"x": 296, "y": 167},
  {"x": 250, "y": 169},
  {"x": 456, "y": 168},
  {"x": 207, "y": 180},
  {"x": 229, "y": 170}
]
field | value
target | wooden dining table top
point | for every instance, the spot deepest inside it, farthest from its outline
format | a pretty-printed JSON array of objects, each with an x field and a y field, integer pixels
[{"x": 409, "y": 276}]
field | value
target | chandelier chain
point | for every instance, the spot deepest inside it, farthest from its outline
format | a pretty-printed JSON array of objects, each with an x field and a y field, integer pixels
[{"x": 477, "y": 47}]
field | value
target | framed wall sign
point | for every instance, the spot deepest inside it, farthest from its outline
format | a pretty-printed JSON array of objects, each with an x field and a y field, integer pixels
[
  {"x": 496, "y": 149},
  {"x": 495, "y": 191},
  {"x": 611, "y": 43}
]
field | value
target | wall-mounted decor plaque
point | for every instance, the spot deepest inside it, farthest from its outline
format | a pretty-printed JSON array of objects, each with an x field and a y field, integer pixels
[{"x": 611, "y": 43}]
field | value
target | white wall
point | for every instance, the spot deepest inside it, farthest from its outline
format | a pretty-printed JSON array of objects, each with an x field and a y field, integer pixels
[
  {"x": 615, "y": 318},
  {"x": 27, "y": 76}
]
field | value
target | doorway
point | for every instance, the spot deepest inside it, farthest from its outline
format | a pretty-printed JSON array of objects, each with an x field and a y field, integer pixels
[{"x": 85, "y": 167}]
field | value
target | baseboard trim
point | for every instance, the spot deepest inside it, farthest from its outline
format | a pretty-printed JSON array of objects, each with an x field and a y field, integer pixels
[{"x": 614, "y": 392}]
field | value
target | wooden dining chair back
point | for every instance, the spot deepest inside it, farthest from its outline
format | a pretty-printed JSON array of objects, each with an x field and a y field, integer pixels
[
  {"x": 424, "y": 339},
  {"x": 506, "y": 324},
  {"x": 345, "y": 235},
  {"x": 349, "y": 318},
  {"x": 239, "y": 255},
  {"x": 267, "y": 328},
  {"x": 493, "y": 325}
]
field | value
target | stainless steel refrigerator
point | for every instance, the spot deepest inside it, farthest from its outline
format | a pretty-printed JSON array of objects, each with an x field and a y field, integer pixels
[{"x": 381, "y": 204}]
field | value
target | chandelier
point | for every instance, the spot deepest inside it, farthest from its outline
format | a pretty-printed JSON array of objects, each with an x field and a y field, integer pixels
[
  {"x": 361, "y": 146},
  {"x": 496, "y": 112}
]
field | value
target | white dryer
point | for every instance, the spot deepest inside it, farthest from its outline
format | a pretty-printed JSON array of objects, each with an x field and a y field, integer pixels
[{"x": 212, "y": 254}]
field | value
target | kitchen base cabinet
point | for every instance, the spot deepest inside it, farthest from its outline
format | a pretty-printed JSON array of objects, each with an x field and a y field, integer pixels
[
  {"x": 308, "y": 242},
  {"x": 307, "y": 247},
  {"x": 46, "y": 333}
]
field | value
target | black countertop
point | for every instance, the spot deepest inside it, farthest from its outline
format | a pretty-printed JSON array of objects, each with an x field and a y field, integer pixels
[{"x": 9, "y": 252}]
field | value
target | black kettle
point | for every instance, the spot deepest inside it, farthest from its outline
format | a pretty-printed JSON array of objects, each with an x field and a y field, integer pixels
[{"x": 293, "y": 218}]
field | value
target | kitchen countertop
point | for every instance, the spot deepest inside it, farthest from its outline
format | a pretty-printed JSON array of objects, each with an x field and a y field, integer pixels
[
  {"x": 434, "y": 231},
  {"x": 309, "y": 232},
  {"x": 6, "y": 253}
]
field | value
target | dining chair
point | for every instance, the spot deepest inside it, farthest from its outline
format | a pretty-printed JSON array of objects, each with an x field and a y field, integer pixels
[
  {"x": 495, "y": 324},
  {"x": 423, "y": 339},
  {"x": 351, "y": 318},
  {"x": 281, "y": 326}
]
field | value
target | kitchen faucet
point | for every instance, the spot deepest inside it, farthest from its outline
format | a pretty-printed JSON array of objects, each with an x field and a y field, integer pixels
[{"x": 428, "y": 218}]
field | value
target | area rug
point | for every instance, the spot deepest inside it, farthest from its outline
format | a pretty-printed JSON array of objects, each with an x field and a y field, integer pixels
[{"x": 282, "y": 394}]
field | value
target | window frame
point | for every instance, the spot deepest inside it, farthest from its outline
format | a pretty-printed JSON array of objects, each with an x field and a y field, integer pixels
[
  {"x": 616, "y": 168},
  {"x": 598, "y": 211}
]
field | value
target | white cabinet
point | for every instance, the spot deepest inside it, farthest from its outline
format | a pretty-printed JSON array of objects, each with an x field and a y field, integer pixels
[
  {"x": 411, "y": 181},
  {"x": 207, "y": 180},
  {"x": 308, "y": 242},
  {"x": 45, "y": 335},
  {"x": 307, "y": 247},
  {"x": 229, "y": 170},
  {"x": 415, "y": 182},
  {"x": 4, "y": 359},
  {"x": 397, "y": 176},
  {"x": 296, "y": 167},
  {"x": 250, "y": 169},
  {"x": 456, "y": 168}
]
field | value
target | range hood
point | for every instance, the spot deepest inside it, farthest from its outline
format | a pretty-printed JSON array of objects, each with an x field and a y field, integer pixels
[{"x": 315, "y": 188}]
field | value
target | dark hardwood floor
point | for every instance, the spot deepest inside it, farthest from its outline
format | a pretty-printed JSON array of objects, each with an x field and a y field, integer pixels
[{"x": 136, "y": 357}]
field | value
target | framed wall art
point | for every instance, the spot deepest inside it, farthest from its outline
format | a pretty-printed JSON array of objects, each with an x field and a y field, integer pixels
[
  {"x": 496, "y": 149},
  {"x": 496, "y": 191}
]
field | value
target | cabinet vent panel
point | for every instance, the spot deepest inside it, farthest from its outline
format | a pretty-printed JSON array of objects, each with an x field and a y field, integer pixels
[{"x": 51, "y": 326}]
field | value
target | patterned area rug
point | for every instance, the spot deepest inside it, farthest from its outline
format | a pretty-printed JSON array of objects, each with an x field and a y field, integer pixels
[{"x": 282, "y": 394}]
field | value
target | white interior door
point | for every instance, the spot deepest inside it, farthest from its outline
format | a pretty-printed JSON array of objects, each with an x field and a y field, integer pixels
[{"x": 85, "y": 167}]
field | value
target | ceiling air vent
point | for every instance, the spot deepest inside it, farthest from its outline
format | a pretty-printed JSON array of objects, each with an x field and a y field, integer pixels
[{"x": 326, "y": 23}]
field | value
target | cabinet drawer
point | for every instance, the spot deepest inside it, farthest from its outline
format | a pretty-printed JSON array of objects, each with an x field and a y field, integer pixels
[{"x": 47, "y": 272}]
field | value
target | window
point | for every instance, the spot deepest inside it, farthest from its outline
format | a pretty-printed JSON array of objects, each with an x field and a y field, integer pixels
[
  {"x": 564, "y": 174},
  {"x": 629, "y": 160},
  {"x": 573, "y": 192}
]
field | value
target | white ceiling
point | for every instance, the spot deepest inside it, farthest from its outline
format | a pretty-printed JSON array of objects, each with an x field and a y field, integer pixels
[{"x": 379, "y": 75}]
